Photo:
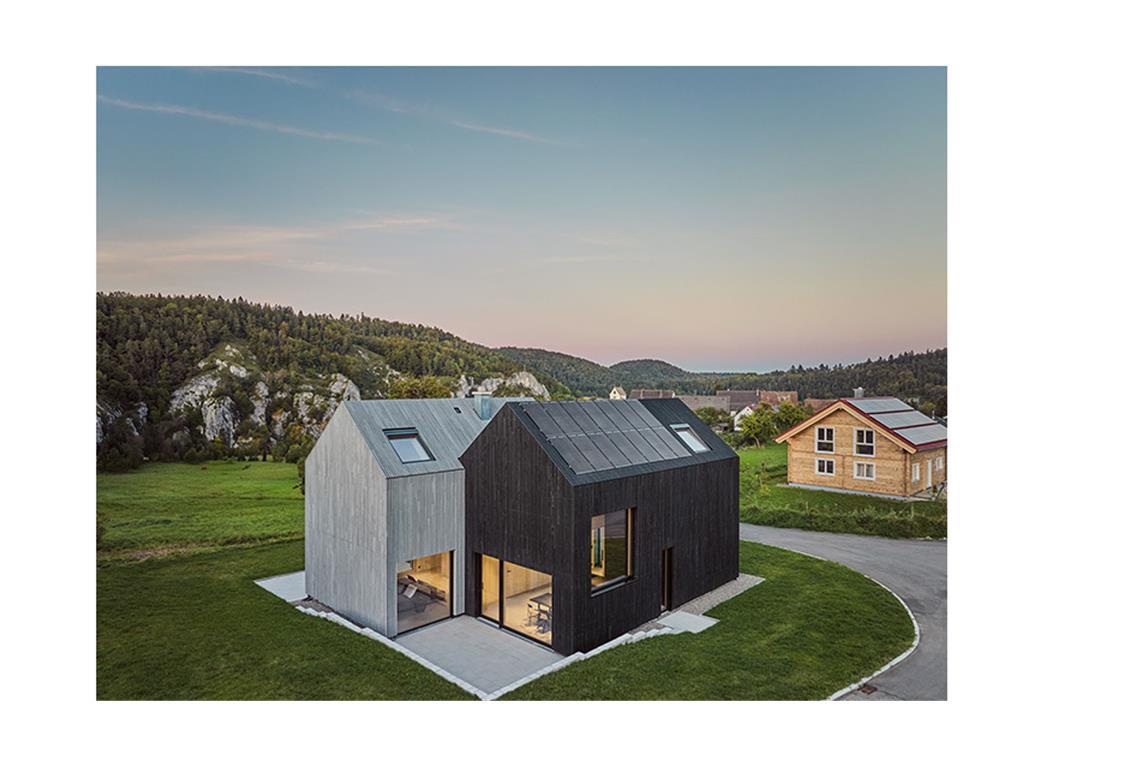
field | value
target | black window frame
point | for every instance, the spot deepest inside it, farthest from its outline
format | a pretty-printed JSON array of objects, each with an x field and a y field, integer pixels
[
  {"x": 630, "y": 543},
  {"x": 392, "y": 434},
  {"x": 676, "y": 427}
]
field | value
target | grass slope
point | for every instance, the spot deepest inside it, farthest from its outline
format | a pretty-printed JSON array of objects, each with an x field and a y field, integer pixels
[
  {"x": 198, "y": 628},
  {"x": 765, "y": 500},
  {"x": 809, "y": 629},
  {"x": 186, "y": 507}
]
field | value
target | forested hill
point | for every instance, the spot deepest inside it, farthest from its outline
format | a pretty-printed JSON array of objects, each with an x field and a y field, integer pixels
[
  {"x": 910, "y": 375},
  {"x": 148, "y": 345},
  {"x": 189, "y": 377}
]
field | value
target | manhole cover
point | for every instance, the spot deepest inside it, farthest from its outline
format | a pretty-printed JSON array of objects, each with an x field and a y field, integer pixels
[{"x": 869, "y": 689}]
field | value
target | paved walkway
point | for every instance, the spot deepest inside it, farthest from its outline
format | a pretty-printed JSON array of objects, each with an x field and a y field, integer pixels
[
  {"x": 484, "y": 656},
  {"x": 290, "y": 587},
  {"x": 915, "y": 570}
]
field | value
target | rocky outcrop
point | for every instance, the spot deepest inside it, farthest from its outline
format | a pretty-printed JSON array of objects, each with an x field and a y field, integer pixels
[
  {"x": 491, "y": 384},
  {"x": 107, "y": 414},
  {"x": 310, "y": 405}
]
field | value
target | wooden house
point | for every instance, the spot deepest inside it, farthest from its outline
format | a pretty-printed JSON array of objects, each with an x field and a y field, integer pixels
[{"x": 869, "y": 445}]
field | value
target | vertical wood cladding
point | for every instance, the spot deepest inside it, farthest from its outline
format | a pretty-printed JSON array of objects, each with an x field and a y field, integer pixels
[
  {"x": 521, "y": 509},
  {"x": 893, "y": 474}
]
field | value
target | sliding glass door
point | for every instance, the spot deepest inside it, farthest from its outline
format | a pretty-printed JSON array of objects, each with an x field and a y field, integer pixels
[{"x": 518, "y": 598}]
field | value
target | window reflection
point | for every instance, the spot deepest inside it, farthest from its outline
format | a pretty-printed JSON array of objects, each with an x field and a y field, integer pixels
[{"x": 423, "y": 588}]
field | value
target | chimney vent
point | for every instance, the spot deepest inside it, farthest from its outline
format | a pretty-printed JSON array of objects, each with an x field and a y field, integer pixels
[
  {"x": 483, "y": 404},
  {"x": 859, "y": 392}
]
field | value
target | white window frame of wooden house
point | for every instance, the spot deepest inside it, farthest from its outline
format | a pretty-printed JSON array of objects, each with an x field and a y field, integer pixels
[
  {"x": 872, "y": 444},
  {"x": 938, "y": 464},
  {"x": 825, "y": 462},
  {"x": 818, "y": 450},
  {"x": 866, "y": 467},
  {"x": 915, "y": 472}
]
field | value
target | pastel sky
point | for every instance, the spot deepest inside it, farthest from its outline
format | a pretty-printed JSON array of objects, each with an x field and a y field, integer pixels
[{"x": 720, "y": 219}]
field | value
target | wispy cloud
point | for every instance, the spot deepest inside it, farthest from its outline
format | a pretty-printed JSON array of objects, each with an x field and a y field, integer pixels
[
  {"x": 272, "y": 75},
  {"x": 279, "y": 247},
  {"x": 393, "y": 105},
  {"x": 592, "y": 259},
  {"x": 514, "y": 134},
  {"x": 238, "y": 121}
]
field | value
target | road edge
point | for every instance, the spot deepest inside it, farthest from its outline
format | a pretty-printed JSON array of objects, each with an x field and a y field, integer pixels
[{"x": 913, "y": 621}]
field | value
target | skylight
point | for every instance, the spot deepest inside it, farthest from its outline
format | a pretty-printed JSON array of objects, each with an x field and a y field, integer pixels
[
  {"x": 408, "y": 446},
  {"x": 690, "y": 438}
]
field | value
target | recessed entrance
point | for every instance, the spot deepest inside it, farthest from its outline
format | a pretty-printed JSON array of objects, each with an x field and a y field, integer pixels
[{"x": 518, "y": 598}]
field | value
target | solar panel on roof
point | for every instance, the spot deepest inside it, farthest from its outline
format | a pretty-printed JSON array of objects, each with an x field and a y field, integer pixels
[
  {"x": 545, "y": 423},
  {"x": 875, "y": 405},
  {"x": 593, "y": 454},
  {"x": 624, "y": 408},
  {"x": 925, "y": 434},
  {"x": 570, "y": 453},
  {"x": 626, "y": 447},
  {"x": 612, "y": 452},
  {"x": 604, "y": 423},
  {"x": 604, "y": 435},
  {"x": 902, "y": 419},
  {"x": 559, "y": 413},
  {"x": 583, "y": 420},
  {"x": 617, "y": 418}
]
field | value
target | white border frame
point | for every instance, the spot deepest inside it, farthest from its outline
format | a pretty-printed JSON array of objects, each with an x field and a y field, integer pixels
[
  {"x": 855, "y": 470},
  {"x": 855, "y": 442},
  {"x": 824, "y": 427}
]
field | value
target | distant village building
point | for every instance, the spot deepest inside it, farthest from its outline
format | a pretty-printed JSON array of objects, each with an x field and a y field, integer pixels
[
  {"x": 877, "y": 445},
  {"x": 739, "y": 399},
  {"x": 617, "y": 393},
  {"x": 705, "y": 402},
  {"x": 644, "y": 393},
  {"x": 739, "y": 416}
]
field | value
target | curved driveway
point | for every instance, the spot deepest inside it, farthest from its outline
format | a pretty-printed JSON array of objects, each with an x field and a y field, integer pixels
[{"x": 915, "y": 570}]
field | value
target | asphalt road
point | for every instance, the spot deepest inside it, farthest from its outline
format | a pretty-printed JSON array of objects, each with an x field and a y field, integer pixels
[{"x": 915, "y": 570}]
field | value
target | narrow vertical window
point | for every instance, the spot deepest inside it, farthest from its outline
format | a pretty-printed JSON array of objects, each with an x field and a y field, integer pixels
[{"x": 611, "y": 549}]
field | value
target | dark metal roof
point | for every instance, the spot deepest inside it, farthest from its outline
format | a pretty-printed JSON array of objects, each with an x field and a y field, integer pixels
[{"x": 598, "y": 440}]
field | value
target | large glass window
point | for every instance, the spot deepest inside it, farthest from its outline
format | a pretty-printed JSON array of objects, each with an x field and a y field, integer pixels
[
  {"x": 865, "y": 442},
  {"x": 611, "y": 548},
  {"x": 423, "y": 587},
  {"x": 408, "y": 446},
  {"x": 490, "y": 594},
  {"x": 825, "y": 439},
  {"x": 528, "y": 602}
]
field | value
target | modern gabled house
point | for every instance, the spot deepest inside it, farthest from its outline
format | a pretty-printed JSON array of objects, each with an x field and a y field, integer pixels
[
  {"x": 384, "y": 509},
  {"x": 586, "y": 519},
  {"x": 566, "y": 522},
  {"x": 870, "y": 445}
]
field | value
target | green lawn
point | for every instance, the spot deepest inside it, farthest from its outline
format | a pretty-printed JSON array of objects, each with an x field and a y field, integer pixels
[
  {"x": 809, "y": 629},
  {"x": 198, "y": 628},
  {"x": 765, "y": 499},
  {"x": 181, "y": 508}
]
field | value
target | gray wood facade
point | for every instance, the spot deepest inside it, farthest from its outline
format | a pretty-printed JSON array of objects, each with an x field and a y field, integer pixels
[{"x": 366, "y": 512}]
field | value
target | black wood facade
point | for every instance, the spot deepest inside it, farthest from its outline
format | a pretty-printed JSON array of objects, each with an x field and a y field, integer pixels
[{"x": 523, "y": 507}]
